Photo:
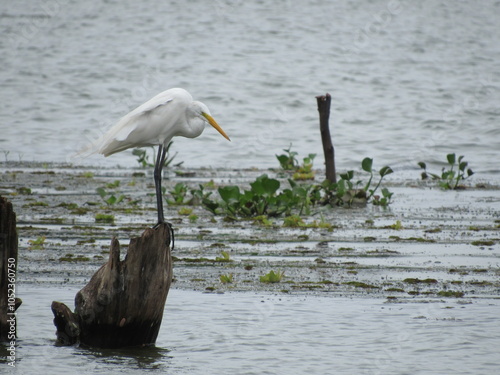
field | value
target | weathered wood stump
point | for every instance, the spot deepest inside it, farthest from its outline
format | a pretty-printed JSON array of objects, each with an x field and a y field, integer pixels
[
  {"x": 122, "y": 305},
  {"x": 8, "y": 268},
  {"x": 324, "y": 116}
]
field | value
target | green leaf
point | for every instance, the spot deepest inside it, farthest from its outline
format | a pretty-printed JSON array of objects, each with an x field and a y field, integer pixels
[
  {"x": 422, "y": 165},
  {"x": 386, "y": 193},
  {"x": 463, "y": 165},
  {"x": 384, "y": 171},
  {"x": 229, "y": 193},
  {"x": 101, "y": 192},
  {"x": 448, "y": 175},
  {"x": 451, "y": 158},
  {"x": 111, "y": 200},
  {"x": 469, "y": 172},
  {"x": 347, "y": 176},
  {"x": 366, "y": 164},
  {"x": 460, "y": 158},
  {"x": 270, "y": 185},
  {"x": 283, "y": 160},
  {"x": 435, "y": 176},
  {"x": 210, "y": 205},
  {"x": 264, "y": 185}
]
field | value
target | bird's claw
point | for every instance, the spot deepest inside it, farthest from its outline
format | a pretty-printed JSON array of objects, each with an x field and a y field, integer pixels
[{"x": 170, "y": 229}]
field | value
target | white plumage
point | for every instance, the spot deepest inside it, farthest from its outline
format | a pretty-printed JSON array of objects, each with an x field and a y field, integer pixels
[{"x": 169, "y": 114}]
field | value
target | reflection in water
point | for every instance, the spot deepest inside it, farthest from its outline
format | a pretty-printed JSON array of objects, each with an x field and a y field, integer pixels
[{"x": 147, "y": 358}]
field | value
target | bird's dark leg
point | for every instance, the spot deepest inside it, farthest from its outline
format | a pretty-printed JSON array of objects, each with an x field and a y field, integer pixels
[
  {"x": 160, "y": 161},
  {"x": 157, "y": 177}
]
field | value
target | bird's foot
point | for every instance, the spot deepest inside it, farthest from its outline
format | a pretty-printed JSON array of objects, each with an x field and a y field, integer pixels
[{"x": 171, "y": 230}]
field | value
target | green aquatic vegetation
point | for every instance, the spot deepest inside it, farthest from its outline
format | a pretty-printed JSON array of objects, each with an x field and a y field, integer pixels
[
  {"x": 449, "y": 178},
  {"x": 450, "y": 293},
  {"x": 143, "y": 157},
  {"x": 83, "y": 242},
  {"x": 480, "y": 270},
  {"x": 347, "y": 191},
  {"x": 79, "y": 211},
  {"x": 346, "y": 249},
  {"x": 262, "y": 220},
  {"x": 264, "y": 198},
  {"x": 37, "y": 244},
  {"x": 184, "y": 211},
  {"x": 104, "y": 218},
  {"x": 481, "y": 283},
  {"x": 183, "y": 195},
  {"x": 419, "y": 281},
  {"x": 24, "y": 190},
  {"x": 359, "y": 284},
  {"x": 396, "y": 226},
  {"x": 53, "y": 220},
  {"x": 293, "y": 221},
  {"x": 288, "y": 161},
  {"x": 304, "y": 171},
  {"x": 193, "y": 218},
  {"x": 272, "y": 277},
  {"x": 483, "y": 243},
  {"x": 399, "y": 290},
  {"x": 113, "y": 185},
  {"x": 178, "y": 194},
  {"x": 419, "y": 239},
  {"x": 225, "y": 257},
  {"x": 226, "y": 279},
  {"x": 260, "y": 200},
  {"x": 73, "y": 258},
  {"x": 109, "y": 198},
  {"x": 36, "y": 204},
  {"x": 86, "y": 174}
]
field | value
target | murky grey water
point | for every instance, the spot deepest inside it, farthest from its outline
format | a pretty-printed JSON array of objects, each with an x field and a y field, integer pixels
[
  {"x": 245, "y": 333},
  {"x": 410, "y": 80}
]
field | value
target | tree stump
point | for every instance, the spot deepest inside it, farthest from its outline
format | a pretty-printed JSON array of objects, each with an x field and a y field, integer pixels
[
  {"x": 8, "y": 268},
  {"x": 324, "y": 116},
  {"x": 122, "y": 305}
]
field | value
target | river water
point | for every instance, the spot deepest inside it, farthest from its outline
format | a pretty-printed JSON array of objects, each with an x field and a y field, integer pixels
[
  {"x": 410, "y": 80},
  {"x": 246, "y": 333}
]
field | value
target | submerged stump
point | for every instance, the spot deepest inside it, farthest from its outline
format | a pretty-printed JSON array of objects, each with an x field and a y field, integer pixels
[
  {"x": 8, "y": 268},
  {"x": 122, "y": 305}
]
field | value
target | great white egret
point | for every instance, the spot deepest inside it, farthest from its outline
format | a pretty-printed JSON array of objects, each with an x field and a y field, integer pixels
[{"x": 169, "y": 114}]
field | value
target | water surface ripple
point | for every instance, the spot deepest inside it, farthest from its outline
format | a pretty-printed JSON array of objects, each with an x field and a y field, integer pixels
[{"x": 410, "y": 81}]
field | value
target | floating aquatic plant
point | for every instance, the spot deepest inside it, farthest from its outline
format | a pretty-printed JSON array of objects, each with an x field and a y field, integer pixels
[{"x": 449, "y": 178}]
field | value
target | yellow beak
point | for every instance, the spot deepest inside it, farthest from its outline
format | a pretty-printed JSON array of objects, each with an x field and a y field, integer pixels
[{"x": 212, "y": 122}]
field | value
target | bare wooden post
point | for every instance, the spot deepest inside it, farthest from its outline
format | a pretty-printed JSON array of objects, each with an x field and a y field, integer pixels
[
  {"x": 324, "y": 115},
  {"x": 8, "y": 268},
  {"x": 122, "y": 305}
]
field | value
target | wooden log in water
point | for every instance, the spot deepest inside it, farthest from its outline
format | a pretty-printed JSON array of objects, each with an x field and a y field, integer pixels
[
  {"x": 123, "y": 303},
  {"x": 8, "y": 271},
  {"x": 324, "y": 116}
]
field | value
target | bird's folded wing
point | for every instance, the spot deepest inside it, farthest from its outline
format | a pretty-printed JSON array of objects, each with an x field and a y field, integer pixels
[{"x": 126, "y": 125}]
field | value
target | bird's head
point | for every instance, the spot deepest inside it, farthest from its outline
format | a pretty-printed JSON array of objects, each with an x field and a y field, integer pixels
[{"x": 202, "y": 111}]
